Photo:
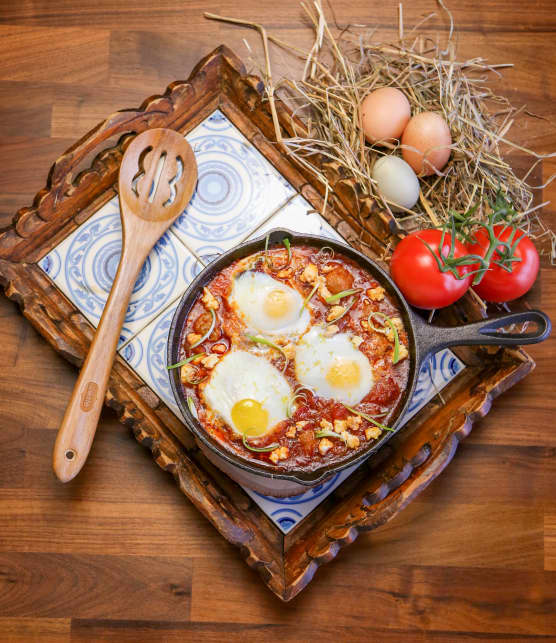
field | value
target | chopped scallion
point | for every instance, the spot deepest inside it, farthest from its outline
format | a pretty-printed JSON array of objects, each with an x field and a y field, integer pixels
[{"x": 186, "y": 361}]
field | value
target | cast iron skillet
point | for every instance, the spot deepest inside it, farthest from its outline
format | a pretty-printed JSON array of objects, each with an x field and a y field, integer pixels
[{"x": 423, "y": 339}]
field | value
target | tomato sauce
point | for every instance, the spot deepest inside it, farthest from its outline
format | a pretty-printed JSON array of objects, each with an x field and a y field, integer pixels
[{"x": 297, "y": 442}]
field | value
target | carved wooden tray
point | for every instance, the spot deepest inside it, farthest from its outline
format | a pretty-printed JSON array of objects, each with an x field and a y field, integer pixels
[{"x": 84, "y": 178}]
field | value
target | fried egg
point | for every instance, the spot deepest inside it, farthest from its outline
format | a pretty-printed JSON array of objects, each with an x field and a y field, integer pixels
[
  {"x": 248, "y": 393},
  {"x": 269, "y": 306},
  {"x": 333, "y": 367}
]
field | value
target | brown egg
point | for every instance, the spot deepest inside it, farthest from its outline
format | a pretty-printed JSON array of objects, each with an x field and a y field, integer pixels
[
  {"x": 384, "y": 114},
  {"x": 429, "y": 136}
]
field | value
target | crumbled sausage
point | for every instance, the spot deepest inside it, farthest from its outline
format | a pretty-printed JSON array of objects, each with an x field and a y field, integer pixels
[
  {"x": 209, "y": 300},
  {"x": 339, "y": 279},
  {"x": 334, "y": 313},
  {"x": 324, "y": 446},
  {"x": 354, "y": 421},
  {"x": 308, "y": 441},
  {"x": 373, "y": 432},
  {"x": 202, "y": 324},
  {"x": 376, "y": 294},
  {"x": 281, "y": 453},
  {"x": 309, "y": 274}
]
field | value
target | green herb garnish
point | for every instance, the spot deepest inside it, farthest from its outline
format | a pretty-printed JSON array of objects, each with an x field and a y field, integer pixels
[
  {"x": 209, "y": 331},
  {"x": 270, "y": 447},
  {"x": 387, "y": 320},
  {"x": 297, "y": 394},
  {"x": 367, "y": 417},
  {"x": 340, "y": 295},
  {"x": 333, "y": 321},
  {"x": 186, "y": 361},
  {"x": 191, "y": 406},
  {"x": 262, "y": 340},
  {"x": 309, "y": 297},
  {"x": 267, "y": 260},
  {"x": 329, "y": 434}
]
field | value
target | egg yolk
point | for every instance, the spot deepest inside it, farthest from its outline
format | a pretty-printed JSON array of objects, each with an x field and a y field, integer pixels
[
  {"x": 277, "y": 303},
  {"x": 343, "y": 374},
  {"x": 250, "y": 417}
]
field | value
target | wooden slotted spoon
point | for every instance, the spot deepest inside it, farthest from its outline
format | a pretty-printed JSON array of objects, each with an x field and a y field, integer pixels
[{"x": 157, "y": 178}]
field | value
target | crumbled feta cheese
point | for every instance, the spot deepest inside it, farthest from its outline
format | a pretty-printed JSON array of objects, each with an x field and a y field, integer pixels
[
  {"x": 281, "y": 453},
  {"x": 331, "y": 330},
  {"x": 324, "y": 446},
  {"x": 402, "y": 353},
  {"x": 210, "y": 361},
  {"x": 289, "y": 350},
  {"x": 335, "y": 312},
  {"x": 326, "y": 425},
  {"x": 290, "y": 433},
  {"x": 193, "y": 338},
  {"x": 309, "y": 274},
  {"x": 354, "y": 421},
  {"x": 356, "y": 341},
  {"x": 352, "y": 441},
  {"x": 340, "y": 425},
  {"x": 376, "y": 294},
  {"x": 373, "y": 432},
  {"x": 285, "y": 273},
  {"x": 187, "y": 373},
  {"x": 301, "y": 424},
  {"x": 209, "y": 300}
]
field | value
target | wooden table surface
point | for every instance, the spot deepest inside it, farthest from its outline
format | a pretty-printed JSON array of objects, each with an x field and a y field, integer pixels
[{"x": 120, "y": 554}]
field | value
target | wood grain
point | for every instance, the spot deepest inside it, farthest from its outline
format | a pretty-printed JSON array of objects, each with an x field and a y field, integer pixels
[{"x": 482, "y": 572}]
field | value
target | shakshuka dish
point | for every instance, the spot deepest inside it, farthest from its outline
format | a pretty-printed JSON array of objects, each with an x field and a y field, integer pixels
[{"x": 295, "y": 357}]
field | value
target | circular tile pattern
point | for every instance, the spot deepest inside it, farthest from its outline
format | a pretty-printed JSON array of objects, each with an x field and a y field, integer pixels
[
  {"x": 51, "y": 264},
  {"x": 230, "y": 192},
  {"x": 156, "y": 353},
  {"x": 92, "y": 260}
]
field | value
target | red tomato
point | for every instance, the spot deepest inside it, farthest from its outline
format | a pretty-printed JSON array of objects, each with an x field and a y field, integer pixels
[
  {"x": 417, "y": 275},
  {"x": 497, "y": 284}
]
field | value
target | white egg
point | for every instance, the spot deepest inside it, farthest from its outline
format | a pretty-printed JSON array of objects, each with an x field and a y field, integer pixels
[
  {"x": 396, "y": 182},
  {"x": 268, "y": 305},
  {"x": 248, "y": 393},
  {"x": 333, "y": 367}
]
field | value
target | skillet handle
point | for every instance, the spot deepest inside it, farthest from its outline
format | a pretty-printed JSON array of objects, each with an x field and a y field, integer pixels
[{"x": 433, "y": 338}]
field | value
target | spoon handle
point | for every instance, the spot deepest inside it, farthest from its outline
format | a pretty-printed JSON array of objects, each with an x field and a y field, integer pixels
[{"x": 78, "y": 427}]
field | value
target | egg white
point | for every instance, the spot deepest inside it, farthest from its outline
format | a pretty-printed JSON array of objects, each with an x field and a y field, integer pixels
[
  {"x": 250, "y": 295},
  {"x": 240, "y": 375},
  {"x": 316, "y": 354}
]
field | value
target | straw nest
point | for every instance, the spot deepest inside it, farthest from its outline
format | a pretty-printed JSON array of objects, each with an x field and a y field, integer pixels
[{"x": 340, "y": 70}]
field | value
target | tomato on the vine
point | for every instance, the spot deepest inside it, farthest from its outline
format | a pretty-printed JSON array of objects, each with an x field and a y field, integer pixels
[
  {"x": 418, "y": 274},
  {"x": 500, "y": 284}
]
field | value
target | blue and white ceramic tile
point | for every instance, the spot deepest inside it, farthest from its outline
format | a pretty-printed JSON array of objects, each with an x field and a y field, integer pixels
[
  {"x": 298, "y": 215},
  {"x": 236, "y": 191},
  {"x": 146, "y": 354},
  {"x": 288, "y": 512},
  {"x": 84, "y": 264},
  {"x": 239, "y": 195}
]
